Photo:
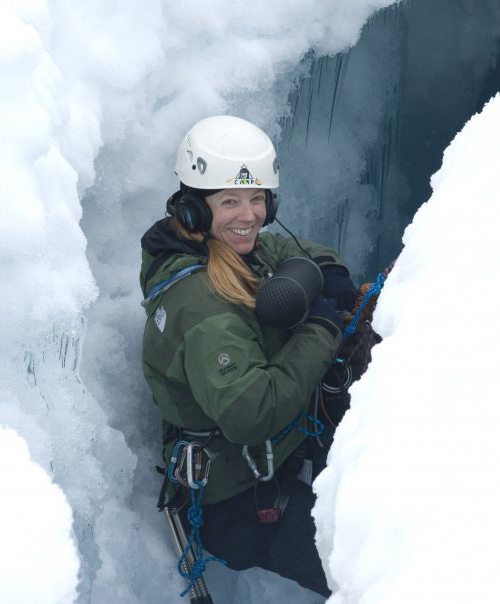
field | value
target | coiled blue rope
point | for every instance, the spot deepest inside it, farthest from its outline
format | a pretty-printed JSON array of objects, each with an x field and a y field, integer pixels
[
  {"x": 374, "y": 290},
  {"x": 195, "y": 518}
]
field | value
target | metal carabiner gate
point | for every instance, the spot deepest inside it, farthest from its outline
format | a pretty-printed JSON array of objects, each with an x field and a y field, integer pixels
[{"x": 253, "y": 466}]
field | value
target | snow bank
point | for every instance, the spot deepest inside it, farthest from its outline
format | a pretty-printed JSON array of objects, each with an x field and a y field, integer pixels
[
  {"x": 408, "y": 505},
  {"x": 38, "y": 560}
]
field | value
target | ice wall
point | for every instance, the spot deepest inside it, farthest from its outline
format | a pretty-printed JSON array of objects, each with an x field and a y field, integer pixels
[
  {"x": 337, "y": 143},
  {"x": 408, "y": 505},
  {"x": 369, "y": 126}
]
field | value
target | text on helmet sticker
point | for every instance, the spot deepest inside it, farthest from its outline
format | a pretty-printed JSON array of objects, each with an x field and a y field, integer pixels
[{"x": 244, "y": 178}]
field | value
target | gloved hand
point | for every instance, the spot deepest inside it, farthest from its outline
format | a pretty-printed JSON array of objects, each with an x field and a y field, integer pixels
[
  {"x": 357, "y": 348},
  {"x": 337, "y": 284},
  {"x": 324, "y": 312}
]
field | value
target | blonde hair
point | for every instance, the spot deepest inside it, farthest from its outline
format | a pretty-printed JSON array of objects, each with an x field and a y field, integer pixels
[{"x": 228, "y": 274}]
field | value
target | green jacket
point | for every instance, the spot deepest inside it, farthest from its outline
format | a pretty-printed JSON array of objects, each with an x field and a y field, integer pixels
[{"x": 210, "y": 364}]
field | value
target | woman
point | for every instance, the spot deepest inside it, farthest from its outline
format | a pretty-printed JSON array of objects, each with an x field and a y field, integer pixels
[{"x": 218, "y": 375}]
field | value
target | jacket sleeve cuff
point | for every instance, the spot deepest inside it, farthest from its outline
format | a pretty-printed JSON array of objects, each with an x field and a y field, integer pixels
[
  {"x": 326, "y": 260},
  {"x": 332, "y": 327}
]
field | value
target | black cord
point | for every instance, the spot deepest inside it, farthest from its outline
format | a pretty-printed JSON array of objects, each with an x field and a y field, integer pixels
[{"x": 294, "y": 238}]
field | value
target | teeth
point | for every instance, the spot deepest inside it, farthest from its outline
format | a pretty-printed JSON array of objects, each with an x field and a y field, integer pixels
[{"x": 241, "y": 231}]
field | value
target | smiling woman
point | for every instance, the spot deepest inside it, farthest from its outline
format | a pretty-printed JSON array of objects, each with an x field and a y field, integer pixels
[
  {"x": 237, "y": 216},
  {"x": 231, "y": 389}
]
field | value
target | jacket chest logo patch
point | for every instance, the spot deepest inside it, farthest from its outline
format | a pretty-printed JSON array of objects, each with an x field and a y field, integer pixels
[
  {"x": 225, "y": 364},
  {"x": 224, "y": 359},
  {"x": 160, "y": 318}
]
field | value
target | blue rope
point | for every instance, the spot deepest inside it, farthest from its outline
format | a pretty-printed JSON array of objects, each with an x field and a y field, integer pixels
[
  {"x": 163, "y": 284},
  {"x": 374, "y": 290},
  {"x": 295, "y": 424},
  {"x": 195, "y": 518}
]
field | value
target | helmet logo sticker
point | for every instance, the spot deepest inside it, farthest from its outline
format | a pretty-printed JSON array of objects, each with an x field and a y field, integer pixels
[{"x": 244, "y": 178}]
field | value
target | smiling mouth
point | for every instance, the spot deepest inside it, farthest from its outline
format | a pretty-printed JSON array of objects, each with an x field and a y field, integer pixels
[{"x": 241, "y": 232}]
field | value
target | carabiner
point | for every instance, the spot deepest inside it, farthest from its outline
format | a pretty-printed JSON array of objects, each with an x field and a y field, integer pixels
[
  {"x": 253, "y": 466},
  {"x": 347, "y": 379},
  {"x": 180, "y": 477},
  {"x": 193, "y": 482},
  {"x": 173, "y": 459}
]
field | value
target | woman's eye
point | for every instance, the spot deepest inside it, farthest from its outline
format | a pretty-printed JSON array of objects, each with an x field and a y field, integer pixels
[{"x": 228, "y": 202}]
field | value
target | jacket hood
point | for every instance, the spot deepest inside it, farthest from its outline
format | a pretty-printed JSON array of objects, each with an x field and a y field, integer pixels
[
  {"x": 161, "y": 238},
  {"x": 163, "y": 252}
]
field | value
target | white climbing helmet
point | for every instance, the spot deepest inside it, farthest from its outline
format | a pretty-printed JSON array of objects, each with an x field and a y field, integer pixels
[{"x": 226, "y": 152}]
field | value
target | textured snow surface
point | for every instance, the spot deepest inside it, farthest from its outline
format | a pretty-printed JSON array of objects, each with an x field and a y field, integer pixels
[
  {"x": 408, "y": 505},
  {"x": 38, "y": 558}
]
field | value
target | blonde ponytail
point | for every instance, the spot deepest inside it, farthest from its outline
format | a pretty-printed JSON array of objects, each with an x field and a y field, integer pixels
[{"x": 230, "y": 277}]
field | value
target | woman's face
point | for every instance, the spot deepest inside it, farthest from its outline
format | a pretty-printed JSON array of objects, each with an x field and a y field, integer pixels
[{"x": 238, "y": 215}]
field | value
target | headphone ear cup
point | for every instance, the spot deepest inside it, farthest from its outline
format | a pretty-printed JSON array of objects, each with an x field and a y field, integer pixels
[
  {"x": 191, "y": 211},
  {"x": 272, "y": 204},
  {"x": 171, "y": 202}
]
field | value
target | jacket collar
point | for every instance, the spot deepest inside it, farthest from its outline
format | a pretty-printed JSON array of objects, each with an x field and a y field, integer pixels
[{"x": 161, "y": 238}]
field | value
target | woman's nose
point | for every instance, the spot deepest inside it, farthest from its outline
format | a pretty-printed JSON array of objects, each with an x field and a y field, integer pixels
[{"x": 246, "y": 211}]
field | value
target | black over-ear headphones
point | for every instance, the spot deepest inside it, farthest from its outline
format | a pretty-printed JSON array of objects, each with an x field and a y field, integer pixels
[{"x": 193, "y": 212}]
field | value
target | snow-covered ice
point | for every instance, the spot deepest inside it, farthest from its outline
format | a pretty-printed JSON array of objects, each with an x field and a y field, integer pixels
[
  {"x": 408, "y": 505},
  {"x": 38, "y": 557}
]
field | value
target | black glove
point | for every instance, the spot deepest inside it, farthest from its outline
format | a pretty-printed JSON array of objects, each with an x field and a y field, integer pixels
[
  {"x": 337, "y": 284},
  {"x": 356, "y": 349},
  {"x": 324, "y": 312}
]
